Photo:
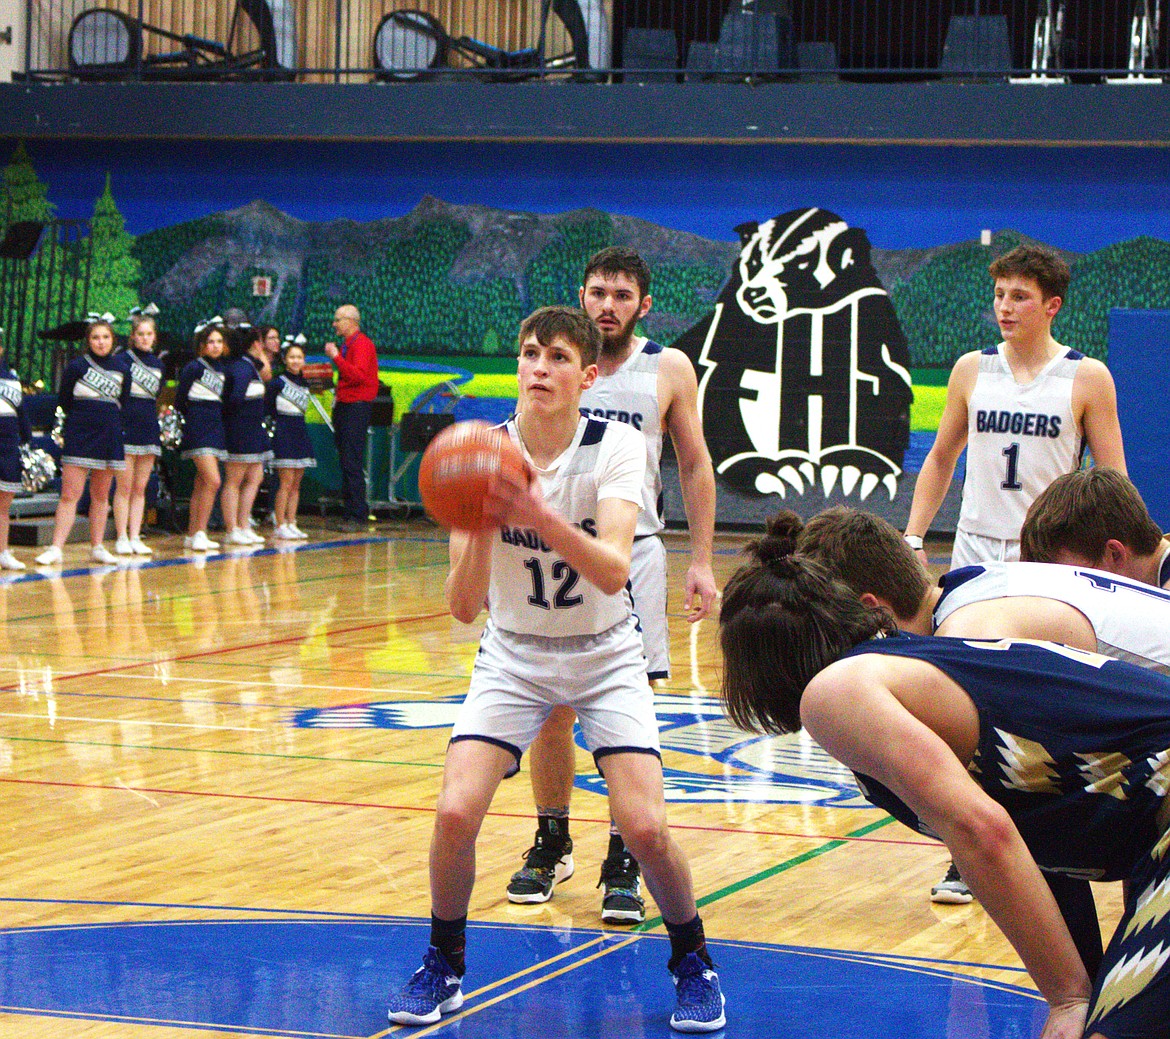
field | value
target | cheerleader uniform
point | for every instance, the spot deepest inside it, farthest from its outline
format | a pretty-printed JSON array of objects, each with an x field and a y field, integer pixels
[
  {"x": 140, "y": 413},
  {"x": 247, "y": 439},
  {"x": 93, "y": 392},
  {"x": 199, "y": 398},
  {"x": 14, "y": 430},
  {"x": 287, "y": 400}
]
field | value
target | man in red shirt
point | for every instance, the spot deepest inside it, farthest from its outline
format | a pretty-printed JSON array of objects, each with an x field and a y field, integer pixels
[{"x": 357, "y": 385}]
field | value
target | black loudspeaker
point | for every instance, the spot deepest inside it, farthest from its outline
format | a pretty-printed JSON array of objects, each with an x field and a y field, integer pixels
[
  {"x": 21, "y": 239},
  {"x": 419, "y": 429}
]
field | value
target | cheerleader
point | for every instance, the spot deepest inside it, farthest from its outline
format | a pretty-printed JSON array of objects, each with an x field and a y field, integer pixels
[
  {"x": 94, "y": 389},
  {"x": 199, "y": 398},
  {"x": 140, "y": 432},
  {"x": 271, "y": 339},
  {"x": 248, "y": 444},
  {"x": 14, "y": 431},
  {"x": 288, "y": 400}
]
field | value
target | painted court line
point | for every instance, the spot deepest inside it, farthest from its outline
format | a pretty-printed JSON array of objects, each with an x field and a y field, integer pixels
[
  {"x": 187, "y": 906},
  {"x": 835, "y": 842},
  {"x": 242, "y": 648},
  {"x": 772, "y": 871},
  {"x": 130, "y": 721},
  {"x": 257, "y": 683},
  {"x": 635, "y": 936},
  {"x": 199, "y": 560},
  {"x": 527, "y": 986},
  {"x": 203, "y": 1026}
]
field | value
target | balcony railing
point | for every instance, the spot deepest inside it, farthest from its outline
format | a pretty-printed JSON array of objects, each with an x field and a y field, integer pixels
[{"x": 405, "y": 41}]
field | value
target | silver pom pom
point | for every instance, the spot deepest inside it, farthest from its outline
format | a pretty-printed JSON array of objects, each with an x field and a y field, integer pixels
[
  {"x": 58, "y": 434},
  {"x": 37, "y": 468},
  {"x": 170, "y": 428},
  {"x": 269, "y": 424}
]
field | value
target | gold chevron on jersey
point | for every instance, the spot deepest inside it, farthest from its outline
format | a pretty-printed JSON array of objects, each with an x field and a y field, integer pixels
[
  {"x": 1151, "y": 907},
  {"x": 1126, "y": 979},
  {"x": 1106, "y": 773},
  {"x": 1158, "y": 851},
  {"x": 1027, "y": 765},
  {"x": 1159, "y": 780}
]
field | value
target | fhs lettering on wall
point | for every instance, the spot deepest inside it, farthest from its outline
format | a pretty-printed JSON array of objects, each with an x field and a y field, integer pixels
[{"x": 803, "y": 367}]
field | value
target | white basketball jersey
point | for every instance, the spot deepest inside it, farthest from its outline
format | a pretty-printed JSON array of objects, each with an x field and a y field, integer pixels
[
  {"x": 630, "y": 395},
  {"x": 1019, "y": 439},
  {"x": 1131, "y": 619},
  {"x": 533, "y": 591}
]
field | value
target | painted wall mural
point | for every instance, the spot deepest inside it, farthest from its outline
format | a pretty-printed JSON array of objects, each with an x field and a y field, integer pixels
[
  {"x": 822, "y": 337},
  {"x": 804, "y": 370}
]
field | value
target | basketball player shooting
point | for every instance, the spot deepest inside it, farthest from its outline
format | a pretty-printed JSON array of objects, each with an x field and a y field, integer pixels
[{"x": 553, "y": 568}]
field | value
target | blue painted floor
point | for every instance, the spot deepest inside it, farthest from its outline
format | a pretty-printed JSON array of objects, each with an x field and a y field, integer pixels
[{"x": 331, "y": 978}]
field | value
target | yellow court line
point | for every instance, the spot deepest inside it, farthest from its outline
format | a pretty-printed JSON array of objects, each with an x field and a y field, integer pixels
[
  {"x": 512, "y": 977},
  {"x": 128, "y": 1019},
  {"x": 530, "y": 985}
]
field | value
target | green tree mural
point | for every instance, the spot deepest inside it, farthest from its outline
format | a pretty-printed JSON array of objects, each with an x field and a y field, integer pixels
[
  {"x": 23, "y": 195},
  {"x": 114, "y": 271}
]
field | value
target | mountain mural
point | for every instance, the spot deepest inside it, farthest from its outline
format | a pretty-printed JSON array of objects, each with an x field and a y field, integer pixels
[
  {"x": 458, "y": 279},
  {"x": 441, "y": 279}
]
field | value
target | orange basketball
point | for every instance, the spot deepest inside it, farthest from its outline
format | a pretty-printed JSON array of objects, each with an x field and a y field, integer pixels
[{"x": 456, "y": 468}]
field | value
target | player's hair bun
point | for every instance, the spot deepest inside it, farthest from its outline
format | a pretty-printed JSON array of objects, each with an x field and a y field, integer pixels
[{"x": 778, "y": 544}]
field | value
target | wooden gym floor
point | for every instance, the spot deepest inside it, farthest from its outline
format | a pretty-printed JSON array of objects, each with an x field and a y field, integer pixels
[{"x": 218, "y": 782}]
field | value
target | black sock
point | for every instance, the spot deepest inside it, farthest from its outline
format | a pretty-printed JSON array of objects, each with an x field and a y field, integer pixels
[
  {"x": 555, "y": 827},
  {"x": 616, "y": 846},
  {"x": 450, "y": 938},
  {"x": 687, "y": 938}
]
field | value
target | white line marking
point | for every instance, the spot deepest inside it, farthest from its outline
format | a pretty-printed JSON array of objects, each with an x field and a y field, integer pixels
[{"x": 135, "y": 721}]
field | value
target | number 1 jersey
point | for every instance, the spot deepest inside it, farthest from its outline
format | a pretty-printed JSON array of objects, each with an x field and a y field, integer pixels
[{"x": 1019, "y": 439}]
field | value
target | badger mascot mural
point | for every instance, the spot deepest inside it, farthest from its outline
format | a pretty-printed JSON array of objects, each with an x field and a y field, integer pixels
[{"x": 803, "y": 367}]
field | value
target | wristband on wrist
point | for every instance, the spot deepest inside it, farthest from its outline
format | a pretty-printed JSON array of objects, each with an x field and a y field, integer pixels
[{"x": 913, "y": 540}]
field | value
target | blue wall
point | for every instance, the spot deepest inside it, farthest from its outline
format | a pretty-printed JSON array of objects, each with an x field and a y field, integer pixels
[{"x": 1078, "y": 199}]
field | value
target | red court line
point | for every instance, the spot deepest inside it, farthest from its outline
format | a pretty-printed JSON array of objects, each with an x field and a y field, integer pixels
[
  {"x": 267, "y": 798},
  {"x": 231, "y": 649}
]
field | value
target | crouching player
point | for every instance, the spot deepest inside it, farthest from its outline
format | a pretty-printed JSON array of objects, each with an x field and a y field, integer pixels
[
  {"x": 1022, "y": 756},
  {"x": 560, "y": 630}
]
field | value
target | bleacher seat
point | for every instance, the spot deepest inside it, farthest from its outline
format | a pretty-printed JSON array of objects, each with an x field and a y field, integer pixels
[
  {"x": 650, "y": 55},
  {"x": 977, "y": 43}
]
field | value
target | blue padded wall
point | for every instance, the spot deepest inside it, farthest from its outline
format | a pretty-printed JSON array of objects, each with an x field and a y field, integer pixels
[{"x": 1139, "y": 352}]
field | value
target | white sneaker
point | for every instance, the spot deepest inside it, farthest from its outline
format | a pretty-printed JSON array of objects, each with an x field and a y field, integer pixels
[
  {"x": 51, "y": 556},
  {"x": 284, "y": 533},
  {"x": 297, "y": 533},
  {"x": 238, "y": 536},
  {"x": 141, "y": 549},
  {"x": 123, "y": 547},
  {"x": 9, "y": 562},
  {"x": 253, "y": 537},
  {"x": 101, "y": 554},
  {"x": 200, "y": 542}
]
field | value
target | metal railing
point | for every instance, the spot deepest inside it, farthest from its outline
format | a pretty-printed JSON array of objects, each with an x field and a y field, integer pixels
[
  {"x": 44, "y": 290},
  {"x": 401, "y": 41}
]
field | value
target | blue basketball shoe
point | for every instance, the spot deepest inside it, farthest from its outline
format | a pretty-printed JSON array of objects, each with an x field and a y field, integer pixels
[
  {"x": 700, "y": 1001},
  {"x": 433, "y": 990}
]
